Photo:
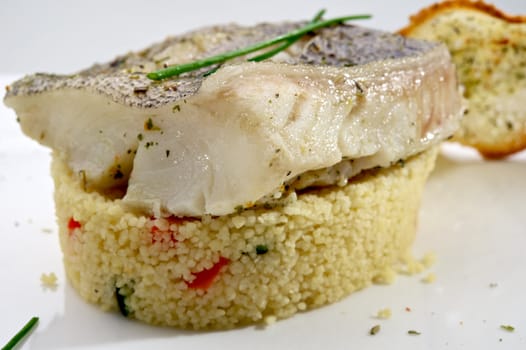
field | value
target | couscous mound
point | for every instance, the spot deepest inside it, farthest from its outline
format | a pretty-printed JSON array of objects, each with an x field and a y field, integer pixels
[{"x": 242, "y": 268}]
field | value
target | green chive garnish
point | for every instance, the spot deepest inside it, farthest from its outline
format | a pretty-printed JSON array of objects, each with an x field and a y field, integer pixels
[
  {"x": 275, "y": 51},
  {"x": 507, "y": 327},
  {"x": 21, "y": 334},
  {"x": 284, "y": 46},
  {"x": 206, "y": 62}
]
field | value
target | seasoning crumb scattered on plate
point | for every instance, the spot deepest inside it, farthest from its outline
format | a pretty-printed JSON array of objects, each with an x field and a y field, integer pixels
[
  {"x": 384, "y": 314},
  {"x": 49, "y": 281},
  {"x": 429, "y": 278},
  {"x": 413, "y": 332},
  {"x": 428, "y": 259}
]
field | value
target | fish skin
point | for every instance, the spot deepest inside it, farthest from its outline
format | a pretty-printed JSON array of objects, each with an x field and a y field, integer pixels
[
  {"x": 119, "y": 78},
  {"x": 344, "y": 94}
]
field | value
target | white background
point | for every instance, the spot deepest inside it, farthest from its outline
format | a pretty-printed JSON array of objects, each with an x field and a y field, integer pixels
[
  {"x": 473, "y": 214},
  {"x": 64, "y": 36}
]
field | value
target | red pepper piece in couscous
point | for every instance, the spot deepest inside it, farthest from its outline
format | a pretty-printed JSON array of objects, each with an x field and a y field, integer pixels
[
  {"x": 73, "y": 225},
  {"x": 205, "y": 278}
]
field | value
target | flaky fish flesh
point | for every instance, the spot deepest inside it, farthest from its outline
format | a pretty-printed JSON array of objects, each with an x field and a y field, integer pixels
[{"x": 340, "y": 100}]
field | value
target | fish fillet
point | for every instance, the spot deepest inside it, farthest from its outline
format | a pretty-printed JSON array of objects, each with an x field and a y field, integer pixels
[{"x": 339, "y": 101}]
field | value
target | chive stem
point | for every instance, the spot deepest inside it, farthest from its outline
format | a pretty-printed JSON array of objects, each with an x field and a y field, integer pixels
[
  {"x": 284, "y": 46},
  {"x": 274, "y": 51},
  {"x": 187, "y": 67},
  {"x": 21, "y": 334}
]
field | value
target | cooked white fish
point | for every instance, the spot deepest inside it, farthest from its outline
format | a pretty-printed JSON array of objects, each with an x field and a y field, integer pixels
[{"x": 337, "y": 102}]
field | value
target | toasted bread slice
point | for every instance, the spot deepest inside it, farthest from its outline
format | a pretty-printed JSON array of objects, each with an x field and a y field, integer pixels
[{"x": 489, "y": 50}]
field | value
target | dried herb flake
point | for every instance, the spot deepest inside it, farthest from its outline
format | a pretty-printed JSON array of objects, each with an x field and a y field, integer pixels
[
  {"x": 374, "y": 330},
  {"x": 261, "y": 249}
]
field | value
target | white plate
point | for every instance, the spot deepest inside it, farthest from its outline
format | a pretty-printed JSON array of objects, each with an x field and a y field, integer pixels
[{"x": 473, "y": 217}]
